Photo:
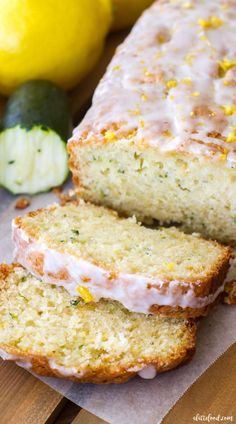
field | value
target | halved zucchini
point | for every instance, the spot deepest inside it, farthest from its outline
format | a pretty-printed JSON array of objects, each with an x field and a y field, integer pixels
[{"x": 35, "y": 126}]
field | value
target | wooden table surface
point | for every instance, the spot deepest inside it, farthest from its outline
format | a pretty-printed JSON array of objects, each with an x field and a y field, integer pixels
[{"x": 26, "y": 400}]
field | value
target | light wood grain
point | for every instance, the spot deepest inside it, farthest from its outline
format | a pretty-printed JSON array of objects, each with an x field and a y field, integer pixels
[
  {"x": 84, "y": 417},
  {"x": 213, "y": 393},
  {"x": 25, "y": 399}
]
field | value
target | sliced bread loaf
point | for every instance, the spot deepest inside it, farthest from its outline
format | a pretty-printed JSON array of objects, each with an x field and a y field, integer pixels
[
  {"x": 95, "y": 254},
  {"x": 160, "y": 138},
  {"x": 44, "y": 330}
]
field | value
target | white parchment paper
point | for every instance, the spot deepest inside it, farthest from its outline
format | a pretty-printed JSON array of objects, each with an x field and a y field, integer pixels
[{"x": 138, "y": 401}]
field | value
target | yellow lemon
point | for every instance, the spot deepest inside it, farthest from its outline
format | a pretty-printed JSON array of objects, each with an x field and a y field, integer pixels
[
  {"x": 127, "y": 11},
  {"x": 56, "y": 40}
]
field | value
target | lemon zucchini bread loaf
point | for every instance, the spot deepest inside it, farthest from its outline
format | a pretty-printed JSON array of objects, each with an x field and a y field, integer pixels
[
  {"x": 95, "y": 254},
  {"x": 160, "y": 139},
  {"x": 46, "y": 331}
]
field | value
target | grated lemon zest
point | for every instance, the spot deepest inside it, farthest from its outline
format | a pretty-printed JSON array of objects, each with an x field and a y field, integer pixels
[
  {"x": 170, "y": 266},
  {"x": 141, "y": 123},
  {"x": 225, "y": 64},
  {"x": 231, "y": 138},
  {"x": 212, "y": 22},
  {"x": 167, "y": 133},
  {"x": 85, "y": 294},
  {"x": 134, "y": 111},
  {"x": 187, "y": 80},
  {"x": 116, "y": 68},
  {"x": 144, "y": 97},
  {"x": 110, "y": 136},
  {"x": 147, "y": 73},
  {"x": 171, "y": 84},
  {"x": 229, "y": 110}
]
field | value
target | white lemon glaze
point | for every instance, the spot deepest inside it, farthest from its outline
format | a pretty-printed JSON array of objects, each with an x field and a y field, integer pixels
[
  {"x": 148, "y": 372},
  {"x": 26, "y": 363},
  {"x": 64, "y": 371},
  {"x": 136, "y": 292},
  {"x": 164, "y": 84},
  {"x": 19, "y": 360}
]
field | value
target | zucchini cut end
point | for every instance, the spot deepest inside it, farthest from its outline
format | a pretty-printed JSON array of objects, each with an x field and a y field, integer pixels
[{"x": 32, "y": 161}]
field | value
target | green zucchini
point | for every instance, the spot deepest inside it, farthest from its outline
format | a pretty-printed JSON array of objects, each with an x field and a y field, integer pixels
[{"x": 35, "y": 126}]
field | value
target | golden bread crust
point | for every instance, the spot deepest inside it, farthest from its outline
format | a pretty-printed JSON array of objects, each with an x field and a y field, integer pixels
[
  {"x": 41, "y": 366},
  {"x": 230, "y": 293},
  {"x": 178, "y": 312},
  {"x": 105, "y": 373},
  {"x": 36, "y": 264},
  {"x": 102, "y": 375}
]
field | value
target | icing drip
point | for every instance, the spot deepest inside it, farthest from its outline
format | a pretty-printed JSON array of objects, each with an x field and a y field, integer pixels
[{"x": 190, "y": 80}]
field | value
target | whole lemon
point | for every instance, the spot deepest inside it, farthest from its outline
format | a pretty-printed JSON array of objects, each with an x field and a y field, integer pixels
[
  {"x": 127, "y": 11},
  {"x": 56, "y": 40}
]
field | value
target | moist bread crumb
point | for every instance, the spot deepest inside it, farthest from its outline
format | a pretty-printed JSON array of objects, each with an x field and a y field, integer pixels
[{"x": 45, "y": 330}]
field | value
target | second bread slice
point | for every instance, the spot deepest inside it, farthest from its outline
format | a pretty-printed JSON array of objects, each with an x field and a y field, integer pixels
[
  {"x": 95, "y": 254},
  {"x": 44, "y": 330}
]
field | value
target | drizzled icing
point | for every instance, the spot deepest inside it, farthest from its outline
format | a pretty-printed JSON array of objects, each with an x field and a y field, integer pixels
[
  {"x": 19, "y": 360},
  {"x": 171, "y": 84},
  {"x": 147, "y": 372},
  {"x": 65, "y": 371},
  {"x": 136, "y": 292}
]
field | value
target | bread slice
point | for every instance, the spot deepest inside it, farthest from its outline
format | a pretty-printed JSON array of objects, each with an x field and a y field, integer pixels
[
  {"x": 160, "y": 139},
  {"x": 95, "y": 254},
  {"x": 230, "y": 282},
  {"x": 45, "y": 330},
  {"x": 230, "y": 293}
]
